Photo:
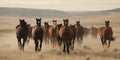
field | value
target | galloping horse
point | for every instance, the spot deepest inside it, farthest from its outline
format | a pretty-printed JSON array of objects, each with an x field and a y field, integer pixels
[
  {"x": 94, "y": 32},
  {"x": 53, "y": 32},
  {"x": 66, "y": 35},
  {"x": 79, "y": 32},
  {"x": 21, "y": 33},
  {"x": 106, "y": 33},
  {"x": 46, "y": 32},
  {"x": 73, "y": 36},
  {"x": 29, "y": 36},
  {"x": 37, "y": 34}
]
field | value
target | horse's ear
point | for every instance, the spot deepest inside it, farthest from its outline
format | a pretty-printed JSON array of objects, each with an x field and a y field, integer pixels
[
  {"x": 36, "y": 19},
  {"x": 23, "y": 19},
  {"x": 105, "y": 21},
  {"x": 40, "y": 18},
  {"x": 67, "y": 19},
  {"x": 19, "y": 19},
  {"x": 63, "y": 19},
  {"x": 108, "y": 21}
]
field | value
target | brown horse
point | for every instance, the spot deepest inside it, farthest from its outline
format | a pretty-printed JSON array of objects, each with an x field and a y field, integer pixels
[
  {"x": 21, "y": 33},
  {"x": 53, "y": 33},
  {"x": 66, "y": 35},
  {"x": 94, "y": 32},
  {"x": 29, "y": 36},
  {"x": 106, "y": 33},
  {"x": 46, "y": 32},
  {"x": 37, "y": 34},
  {"x": 73, "y": 36}
]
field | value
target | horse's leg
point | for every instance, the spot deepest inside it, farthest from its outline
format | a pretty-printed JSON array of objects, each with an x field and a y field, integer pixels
[
  {"x": 19, "y": 42},
  {"x": 102, "y": 42},
  {"x": 105, "y": 42},
  {"x": 81, "y": 40},
  {"x": 36, "y": 44},
  {"x": 41, "y": 40},
  {"x": 109, "y": 43},
  {"x": 68, "y": 45},
  {"x": 64, "y": 47},
  {"x": 24, "y": 41}
]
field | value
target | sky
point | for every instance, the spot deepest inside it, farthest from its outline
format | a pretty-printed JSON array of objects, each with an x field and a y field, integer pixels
[{"x": 65, "y": 5}]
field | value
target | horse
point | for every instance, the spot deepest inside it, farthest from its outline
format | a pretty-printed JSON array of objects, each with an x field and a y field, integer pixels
[
  {"x": 86, "y": 31},
  {"x": 21, "y": 33},
  {"x": 46, "y": 32},
  {"x": 106, "y": 33},
  {"x": 58, "y": 36},
  {"x": 66, "y": 35},
  {"x": 37, "y": 34},
  {"x": 73, "y": 36},
  {"x": 94, "y": 32},
  {"x": 29, "y": 36},
  {"x": 53, "y": 33},
  {"x": 79, "y": 32}
]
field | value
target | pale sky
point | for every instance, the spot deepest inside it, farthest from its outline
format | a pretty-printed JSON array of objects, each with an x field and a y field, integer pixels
[{"x": 65, "y": 5}]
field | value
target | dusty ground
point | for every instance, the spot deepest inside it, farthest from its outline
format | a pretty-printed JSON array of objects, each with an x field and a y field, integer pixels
[{"x": 94, "y": 50}]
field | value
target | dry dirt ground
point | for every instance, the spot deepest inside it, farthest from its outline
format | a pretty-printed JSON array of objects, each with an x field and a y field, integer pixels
[{"x": 91, "y": 49}]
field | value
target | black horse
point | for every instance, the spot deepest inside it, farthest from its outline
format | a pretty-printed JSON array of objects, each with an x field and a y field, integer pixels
[
  {"x": 21, "y": 33},
  {"x": 37, "y": 34}
]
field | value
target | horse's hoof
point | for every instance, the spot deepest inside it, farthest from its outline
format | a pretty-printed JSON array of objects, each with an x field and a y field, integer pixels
[{"x": 39, "y": 49}]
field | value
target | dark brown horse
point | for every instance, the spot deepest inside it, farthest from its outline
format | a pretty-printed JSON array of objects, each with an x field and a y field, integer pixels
[
  {"x": 79, "y": 32},
  {"x": 37, "y": 34},
  {"x": 66, "y": 35},
  {"x": 106, "y": 33},
  {"x": 21, "y": 33}
]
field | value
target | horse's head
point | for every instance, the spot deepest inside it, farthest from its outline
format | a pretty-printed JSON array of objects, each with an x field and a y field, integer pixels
[
  {"x": 54, "y": 22},
  {"x": 77, "y": 23},
  {"x": 38, "y": 21},
  {"x": 107, "y": 23},
  {"x": 65, "y": 22},
  {"x": 73, "y": 27},
  {"x": 59, "y": 25},
  {"x": 46, "y": 25},
  {"x": 22, "y": 22}
]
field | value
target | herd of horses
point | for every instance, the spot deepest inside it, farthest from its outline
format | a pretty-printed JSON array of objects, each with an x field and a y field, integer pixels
[{"x": 60, "y": 34}]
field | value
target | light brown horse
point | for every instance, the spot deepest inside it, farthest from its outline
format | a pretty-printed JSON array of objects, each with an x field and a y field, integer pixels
[
  {"x": 29, "y": 36},
  {"x": 53, "y": 33},
  {"x": 46, "y": 32},
  {"x": 66, "y": 35},
  {"x": 106, "y": 33},
  {"x": 94, "y": 32}
]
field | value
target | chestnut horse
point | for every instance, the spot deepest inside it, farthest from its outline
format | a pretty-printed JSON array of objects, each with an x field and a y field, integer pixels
[
  {"x": 21, "y": 33},
  {"x": 106, "y": 33},
  {"x": 53, "y": 33},
  {"x": 46, "y": 32},
  {"x": 66, "y": 35},
  {"x": 37, "y": 34}
]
